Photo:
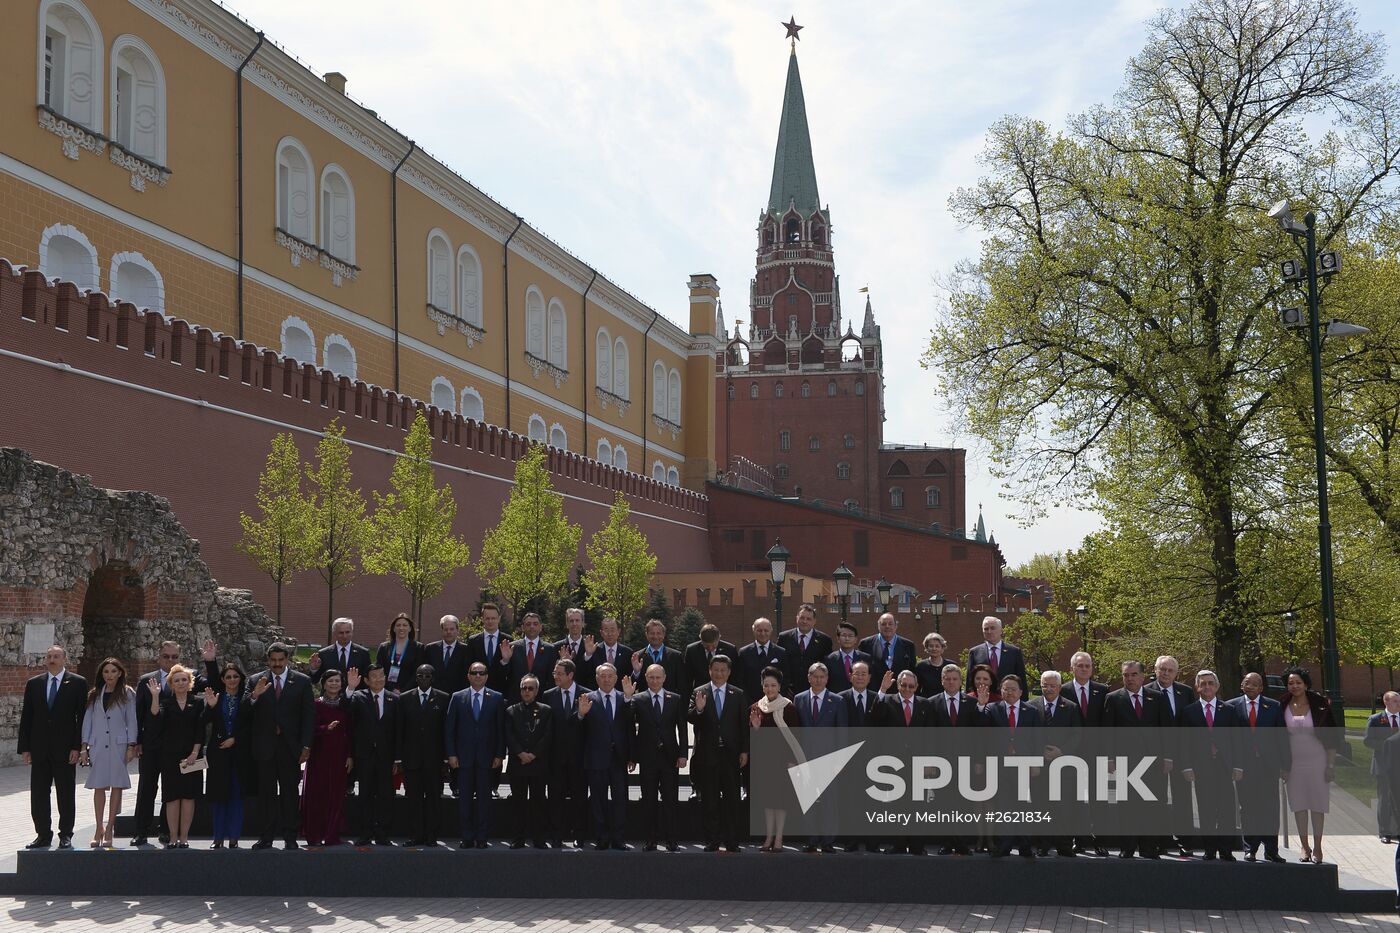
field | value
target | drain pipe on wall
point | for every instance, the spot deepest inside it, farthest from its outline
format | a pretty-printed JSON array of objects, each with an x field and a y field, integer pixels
[
  {"x": 505, "y": 302},
  {"x": 585, "y": 358},
  {"x": 238, "y": 127},
  {"x": 394, "y": 249},
  {"x": 646, "y": 384}
]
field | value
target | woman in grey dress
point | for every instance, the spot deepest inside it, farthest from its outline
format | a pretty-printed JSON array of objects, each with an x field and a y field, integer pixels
[
  {"x": 109, "y": 743},
  {"x": 1313, "y": 740}
]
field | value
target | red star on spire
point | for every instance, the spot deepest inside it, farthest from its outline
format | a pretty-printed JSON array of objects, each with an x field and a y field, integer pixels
[{"x": 792, "y": 28}]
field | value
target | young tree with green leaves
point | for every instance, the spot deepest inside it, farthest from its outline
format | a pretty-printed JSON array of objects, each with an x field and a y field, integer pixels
[
  {"x": 339, "y": 528},
  {"x": 412, "y": 535},
  {"x": 1041, "y": 637},
  {"x": 620, "y": 566},
  {"x": 280, "y": 541},
  {"x": 529, "y": 554}
]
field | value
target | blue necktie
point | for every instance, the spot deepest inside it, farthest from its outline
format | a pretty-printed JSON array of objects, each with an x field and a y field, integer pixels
[
  {"x": 476, "y": 706},
  {"x": 719, "y": 702},
  {"x": 53, "y": 690},
  {"x": 607, "y": 705}
]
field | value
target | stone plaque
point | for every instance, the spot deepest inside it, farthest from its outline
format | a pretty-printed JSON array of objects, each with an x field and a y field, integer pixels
[{"x": 38, "y": 638}]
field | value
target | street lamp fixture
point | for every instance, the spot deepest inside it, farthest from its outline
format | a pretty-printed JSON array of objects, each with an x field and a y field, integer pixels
[
  {"x": 777, "y": 566},
  {"x": 842, "y": 575},
  {"x": 1290, "y": 628},
  {"x": 884, "y": 588},
  {"x": 937, "y": 603},
  {"x": 1081, "y": 614}
]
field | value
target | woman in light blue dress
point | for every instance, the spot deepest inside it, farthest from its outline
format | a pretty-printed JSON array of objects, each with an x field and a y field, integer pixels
[{"x": 109, "y": 743}]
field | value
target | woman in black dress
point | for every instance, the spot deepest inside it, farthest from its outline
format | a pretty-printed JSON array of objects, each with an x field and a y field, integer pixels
[
  {"x": 231, "y": 773},
  {"x": 930, "y": 669},
  {"x": 180, "y": 719},
  {"x": 400, "y": 655}
]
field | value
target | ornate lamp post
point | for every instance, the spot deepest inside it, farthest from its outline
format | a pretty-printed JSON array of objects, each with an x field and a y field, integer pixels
[
  {"x": 937, "y": 603},
  {"x": 1081, "y": 614},
  {"x": 1290, "y": 628},
  {"x": 883, "y": 588},
  {"x": 842, "y": 575},
  {"x": 777, "y": 566}
]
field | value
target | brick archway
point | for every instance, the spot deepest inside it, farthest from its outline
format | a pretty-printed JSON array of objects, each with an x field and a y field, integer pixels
[{"x": 114, "y": 607}]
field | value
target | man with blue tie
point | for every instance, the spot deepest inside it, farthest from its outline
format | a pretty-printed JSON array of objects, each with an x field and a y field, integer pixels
[
  {"x": 842, "y": 661},
  {"x": 659, "y": 748},
  {"x": 50, "y": 734},
  {"x": 889, "y": 651},
  {"x": 656, "y": 652},
  {"x": 606, "y": 714},
  {"x": 719, "y": 713},
  {"x": 485, "y": 646},
  {"x": 819, "y": 708},
  {"x": 476, "y": 746}
]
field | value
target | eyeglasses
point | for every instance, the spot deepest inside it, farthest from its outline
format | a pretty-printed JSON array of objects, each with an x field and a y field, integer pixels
[
  {"x": 528, "y": 689},
  {"x": 476, "y": 673}
]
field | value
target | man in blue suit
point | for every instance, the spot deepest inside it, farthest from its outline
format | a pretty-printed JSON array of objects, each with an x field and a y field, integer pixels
[
  {"x": 819, "y": 708},
  {"x": 889, "y": 651},
  {"x": 475, "y": 746},
  {"x": 607, "y": 749},
  {"x": 1263, "y": 754}
]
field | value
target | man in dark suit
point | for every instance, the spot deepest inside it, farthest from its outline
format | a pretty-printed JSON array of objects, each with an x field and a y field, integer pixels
[
  {"x": 449, "y": 657},
  {"x": 1380, "y": 727},
  {"x": 659, "y": 749},
  {"x": 804, "y": 644},
  {"x": 374, "y": 712},
  {"x": 656, "y": 652},
  {"x": 861, "y": 704},
  {"x": 606, "y": 651},
  {"x": 1389, "y": 767},
  {"x": 342, "y": 654},
  {"x": 571, "y": 645},
  {"x": 1001, "y": 656},
  {"x": 50, "y": 735},
  {"x": 283, "y": 722},
  {"x": 698, "y": 654},
  {"x": 846, "y": 656},
  {"x": 719, "y": 713},
  {"x": 485, "y": 646},
  {"x": 820, "y": 709},
  {"x": 1059, "y": 716},
  {"x": 420, "y": 754},
  {"x": 1179, "y": 696},
  {"x": 1088, "y": 694},
  {"x": 529, "y": 728},
  {"x": 606, "y": 714},
  {"x": 1208, "y": 753},
  {"x": 1264, "y": 754},
  {"x": 952, "y": 708},
  {"x": 568, "y": 791},
  {"x": 905, "y": 709},
  {"x": 475, "y": 743},
  {"x": 528, "y": 654},
  {"x": 148, "y": 737},
  {"x": 754, "y": 657},
  {"x": 889, "y": 651},
  {"x": 1007, "y": 718},
  {"x": 1132, "y": 710}
]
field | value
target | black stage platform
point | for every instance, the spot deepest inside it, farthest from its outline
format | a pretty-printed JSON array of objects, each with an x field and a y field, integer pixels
[{"x": 689, "y": 874}]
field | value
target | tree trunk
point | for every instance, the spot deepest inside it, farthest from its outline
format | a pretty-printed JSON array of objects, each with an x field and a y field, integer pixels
[{"x": 1228, "y": 621}]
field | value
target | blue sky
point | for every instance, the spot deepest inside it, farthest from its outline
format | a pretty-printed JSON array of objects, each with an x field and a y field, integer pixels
[{"x": 640, "y": 136}]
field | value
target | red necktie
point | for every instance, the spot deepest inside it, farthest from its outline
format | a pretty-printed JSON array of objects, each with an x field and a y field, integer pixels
[
  {"x": 1011, "y": 716},
  {"x": 952, "y": 712},
  {"x": 1394, "y": 723},
  {"x": 848, "y": 667},
  {"x": 530, "y": 656},
  {"x": 1253, "y": 714},
  {"x": 1210, "y": 716},
  {"x": 994, "y": 660},
  {"x": 277, "y": 682},
  {"x": 908, "y": 712},
  {"x": 1137, "y": 705}
]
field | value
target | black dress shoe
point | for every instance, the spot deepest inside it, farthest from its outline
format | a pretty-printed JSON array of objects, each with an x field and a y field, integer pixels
[
  {"x": 483, "y": 844},
  {"x": 1027, "y": 853},
  {"x": 1183, "y": 852},
  {"x": 1387, "y": 840},
  {"x": 1227, "y": 857},
  {"x": 649, "y": 847},
  {"x": 517, "y": 844},
  {"x": 809, "y": 849},
  {"x": 464, "y": 844},
  {"x": 541, "y": 844},
  {"x": 42, "y": 842},
  {"x": 672, "y": 847},
  {"x": 164, "y": 839},
  {"x": 140, "y": 841},
  {"x": 363, "y": 843},
  {"x": 263, "y": 844},
  {"x": 289, "y": 845},
  {"x": 712, "y": 847},
  {"x": 1209, "y": 857},
  {"x": 600, "y": 847},
  {"x": 1126, "y": 853},
  {"x": 233, "y": 843},
  {"x": 65, "y": 840},
  {"x": 828, "y": 848},
  {"x": 621, "y": 847},
  {"x": 946, "y": 850},
  {"x": 1067, "y": 853},
  {"x": 734, "y": 848},
  {"x": 216, "y": 844},
  {"x": 1100, "y": 851},
  {"x": 1276, "y": 858}
]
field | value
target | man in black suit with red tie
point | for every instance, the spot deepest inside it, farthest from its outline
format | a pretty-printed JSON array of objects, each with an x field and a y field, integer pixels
[
  {"x": 761, "y": 653},
  {"x": 656, "y": 652},
  {"x": 1133, "y": 710},
  {"x": 1209, "y": 762},
  {"x": 568, "y": 790},
  {"x": 1264, "y": 754},
  {"x": 528, "y": 654},
  {"x": 374, "y": 711},
  {"x": 699, "y": 654},
  {"x": 1001, "y": 656},
  {"x": 283, "y": 724},
  {"x": 719, "y": 713},
  {"x": 449, "y": 657},
  {"x": 1008, "y": 717},
  {"x": 953, "y": 709},
  {"x": 1088, "y": 695},
  {"x": 659, "y": 749},
  {"x": 905, "y": 709},
  {"x": 846, "y": 656},
  {"x": 805, "y": 646},
  {"x": 50, "y": 735}
]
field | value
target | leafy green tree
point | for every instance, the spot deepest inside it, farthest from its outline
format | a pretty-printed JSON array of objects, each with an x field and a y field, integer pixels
[
  {"x": 1041, "y": 636},
  {"x": 529, "y": 554},
  {"x": 339, "y": 528},
  {"x": 620, "y": 566},
  {"x": 279, "y": 542},
  {"x": 412, "y": 526},
  {"x": 1121, "y": 316}
]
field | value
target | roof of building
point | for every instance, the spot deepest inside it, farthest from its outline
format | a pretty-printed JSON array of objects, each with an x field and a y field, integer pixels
[{"x": 794, "y": 177}]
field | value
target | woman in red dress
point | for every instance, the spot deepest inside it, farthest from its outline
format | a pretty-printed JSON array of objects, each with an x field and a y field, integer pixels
[{"x": 323, "y": 796}]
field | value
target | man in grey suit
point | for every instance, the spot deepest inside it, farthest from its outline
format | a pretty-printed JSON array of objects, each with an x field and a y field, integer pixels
[
  {"x": 819, "y": 708},
  {"x": 283, "y": 724},
  {"x": 1379, "y": 728}
]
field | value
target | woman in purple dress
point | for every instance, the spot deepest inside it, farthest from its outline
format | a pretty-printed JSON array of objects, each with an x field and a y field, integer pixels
[
  {"x": 1313, "y": 739},
  {"x": 323, "y": 796}
]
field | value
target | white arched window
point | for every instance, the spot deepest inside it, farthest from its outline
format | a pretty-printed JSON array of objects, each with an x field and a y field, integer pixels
[
  {"x": 536, "y": 432},
  {"x": 134, "y": 279},
  {"x": 621, "y": 388},
  {"x": 534, "y": 323},
  {"x": 70, "y": 62},
  {"x": 658, "y": 471},
  {"x": 896, "y": 497},
  {"x": 339, "y": 356},
  {"x": 604, "y": 451},
  {"x": 658, "y": 389},
  {"x": 469, "y": 286},
  {"x": 673, "y": 476},
  {"x": 138, "y": 99},
  {"x": 439, "y": 271},
  {"x": 843, "y": 470},
  {"x": 602, "y": 354},
  {"x": 298, "y": 341},
  {"x": 673, "y": 397},
  {"x": 472, "y": 406},
  {"x": 620, "y": 457},
  {"x": 444, "y": 396},
  {"x": 296, "y": 202},
  {"x": 558, "y": 438},
  {"x": 558, "y": 335},
  {"x": 860, "y": 388},
  {"x": 337, "y": 214},
  {"x": 66, "y": 254}
]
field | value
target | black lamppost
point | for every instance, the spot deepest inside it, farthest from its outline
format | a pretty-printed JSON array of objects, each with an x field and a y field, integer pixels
[
  {"x": 777, "y": 565},
  {"x": 842, "y": 575},
  {"x": 1290, "y": 628},
  {"x": 1081, "y": 614},
  {"x": 937, "y": 603},
  {"x": 883, "y": 588},
  {"x": 1305, "y": 275}
]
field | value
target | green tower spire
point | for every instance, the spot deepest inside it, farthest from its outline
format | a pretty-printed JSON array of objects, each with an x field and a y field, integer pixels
[{"x": 794, "y": 178}]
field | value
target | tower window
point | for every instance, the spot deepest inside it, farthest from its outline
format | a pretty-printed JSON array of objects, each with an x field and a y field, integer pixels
[
  {"x": 843, "y": 470},
  {"x": 850, "y": 441},
  {"x": 814, "y": 443},
  {"x": 781, "y": 471},
  {"x": 806, "y": 390},
  {"x": 785, "y": 440},
  {"x": 792, "y": 231},
  {"x": 753, "y": 390},
  {"x": 896, "y": 498},
  {"x": 831, "y": 389},
  {"x": 730, "y": 390},
  {"x": 860, "y": 388},
  {"x": 932, "y": 497},
  {"x": 778, "y": 390}
]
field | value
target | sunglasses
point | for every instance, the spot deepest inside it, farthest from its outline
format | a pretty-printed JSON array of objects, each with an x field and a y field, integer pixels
[{"x": 476, "y": 673}]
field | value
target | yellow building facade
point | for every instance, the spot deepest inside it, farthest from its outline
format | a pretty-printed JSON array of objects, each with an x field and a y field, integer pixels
[{"x": 165, "y": 153}]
